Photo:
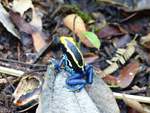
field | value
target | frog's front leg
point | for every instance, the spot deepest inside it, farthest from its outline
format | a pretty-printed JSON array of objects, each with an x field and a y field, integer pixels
[
  {"x": 75, "y": 82},
  {"x": 89, "y": 73},
  {"x": 62, "y": 61}
]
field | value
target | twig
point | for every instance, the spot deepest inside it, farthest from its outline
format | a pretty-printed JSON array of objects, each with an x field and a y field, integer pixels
[
  {"x": 23, "y": 63},
  {"x": 128, "y": 18},
  {"x": 134, "y": 97},
  {"x": 10, "y": 71}
]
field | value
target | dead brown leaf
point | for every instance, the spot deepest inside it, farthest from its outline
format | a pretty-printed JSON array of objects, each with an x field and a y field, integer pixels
[
  {"x": 111, "y": 80},
  {"x": 145, "y": 41},
  {"x": 127, "y": 74},
  {"x": 77, "y": 25},
  {"x": 21, "y": 6},
  {"x": 111, "y": 31},
  {"x": 38, "y": 37},
  {"x": 38, "y": 41},
  {"x": 5, "y": 20},
  {"x": 90, "y": 57}
]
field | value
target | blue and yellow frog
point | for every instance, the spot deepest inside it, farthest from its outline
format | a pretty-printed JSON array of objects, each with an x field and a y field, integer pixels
[{"x": 80, "y": 73}]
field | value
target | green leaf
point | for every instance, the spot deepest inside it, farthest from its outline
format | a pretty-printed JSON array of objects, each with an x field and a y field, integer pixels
[{"x": 92, "y": 37}]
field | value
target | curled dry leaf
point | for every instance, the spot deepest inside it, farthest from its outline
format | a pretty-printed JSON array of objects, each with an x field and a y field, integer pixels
[
  {"x": 5, "y": 20},
  {"x": 27, "y": 90},
  {"x": 21, "y": 6},
  {"x": 77, "y": 25},
  {"x": 128, "y": 73},
  {"x": 36, "y": 19},
  {"x": 145, "y": 41},
  {"x": 38, "y": 37}
]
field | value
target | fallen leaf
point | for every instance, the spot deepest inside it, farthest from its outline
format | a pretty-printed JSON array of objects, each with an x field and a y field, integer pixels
[
  {"x": 110, "y": 31},
  {"x": 134, "y": 27},
  {"x": 144, "y": 55},
  {"x": 122, "y": 41},
  {"x": 90, "y": 57},
  {"x": 111, "y": 80},
  {"x": 128, "y": 73},
  {"x": 38, "y": 41},
  {"x": 77, "y": 25},
  {"x": 21, "y": 6},
  {"x": 37, "y": 36},
  {"x": 36, "y": 19},
  {"x": 20, "y": 23},
  {"x": 5, "y": 20},
  {"x": 92, "y": 37},
  {"x": 145, "y": 41},
  {"x": 130, "y": 5}
]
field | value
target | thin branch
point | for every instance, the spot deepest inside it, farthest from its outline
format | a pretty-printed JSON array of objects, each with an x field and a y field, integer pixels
[
  {"x": 10, "y": 71},
  {"x": 134, "y": 97}
]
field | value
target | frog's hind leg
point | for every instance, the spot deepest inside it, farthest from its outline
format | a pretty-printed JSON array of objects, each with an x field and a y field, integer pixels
[
  {"x": 89, "y": 73},
  {"x": 75, "y": 82},
  {"x": 75, "y": 79}
]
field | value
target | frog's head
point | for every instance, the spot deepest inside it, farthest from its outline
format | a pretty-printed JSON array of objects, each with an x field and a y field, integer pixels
[{"x": 72, "y": 51}]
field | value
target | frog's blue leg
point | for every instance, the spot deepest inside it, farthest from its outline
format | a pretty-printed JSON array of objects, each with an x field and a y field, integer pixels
[
  {"x": 58, "y": 65},
  {"x": 75, "y": 79},
  {"x": 75, "y": 82},
  {"x": 89, "y": 74}
]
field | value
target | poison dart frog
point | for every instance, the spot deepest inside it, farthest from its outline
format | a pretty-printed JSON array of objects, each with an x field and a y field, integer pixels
[{"x": 80, "y": 73}]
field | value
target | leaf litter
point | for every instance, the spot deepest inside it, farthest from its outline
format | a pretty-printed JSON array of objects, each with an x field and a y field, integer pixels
[{"x": 103, "y": 33}]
